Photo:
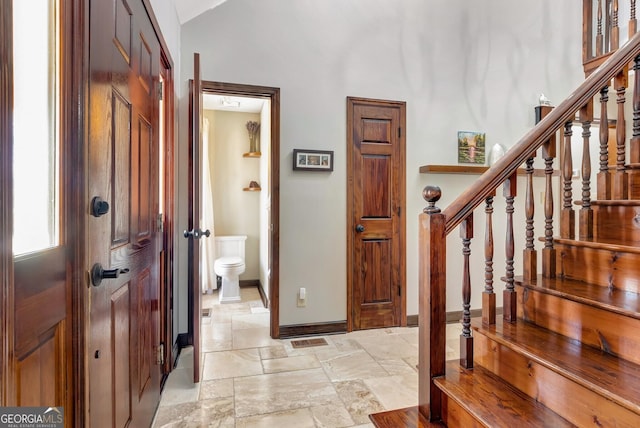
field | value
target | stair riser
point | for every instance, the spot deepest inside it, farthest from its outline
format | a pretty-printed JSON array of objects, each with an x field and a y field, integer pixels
[
  {"x": 453, "y": 415},
  {"x": 618, "y": 334},
  {"x": 572, "y": 401},
  {"x": 616, "y": 222},
  {"x": 600, "y": 267}
]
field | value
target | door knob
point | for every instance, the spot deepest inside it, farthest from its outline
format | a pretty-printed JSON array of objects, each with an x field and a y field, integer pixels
[
  {"x": 98, "y": 274},
  {"x": 196, "y": 233},
  {"x": 359, "y": 228},
  {"x": 99, "y": 207}
]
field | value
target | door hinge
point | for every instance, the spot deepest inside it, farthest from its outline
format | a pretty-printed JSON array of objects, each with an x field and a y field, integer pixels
[
  {"x": 160, "y": 354},
  {"x": 160, "y": 90},
  {"x": 399, "y": 291},
  {"x": 160, "y": 222},
  {"x": 399, "y": 132}
]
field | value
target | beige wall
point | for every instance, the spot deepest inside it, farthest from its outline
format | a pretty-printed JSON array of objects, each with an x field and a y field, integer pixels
[
  {"x": 459, "y": 65},
  {"x": 236, "y": 212}
]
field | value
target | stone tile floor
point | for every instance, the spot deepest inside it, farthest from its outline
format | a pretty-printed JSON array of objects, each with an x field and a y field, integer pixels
[{"x": 251, "y": 380}]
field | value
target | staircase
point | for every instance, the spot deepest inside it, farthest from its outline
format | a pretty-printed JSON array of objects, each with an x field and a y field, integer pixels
[{"x": 566, "y": 350}]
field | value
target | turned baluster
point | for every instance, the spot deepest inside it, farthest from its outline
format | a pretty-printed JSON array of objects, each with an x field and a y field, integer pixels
[
  {"x": 488, "y": 296},
  {"x": 548, "y": 252},
  {"x": 586, "y": 213},
  {"x": 634, "y": 154},
  {"x": 633, "y": 22},
  {"x": 530, "y": 258},
  {"x": 548, "y": 154},
  {"x": 466, "y": 341},
  {"x": 620, "y": 180},
  {"x": 615, "y": 28},
  {"x": 509, "y": 294},
  {"x": 567, "y": 215},
  {"x": 599, "y": 29},
  {"x": 604, "y": 177}
]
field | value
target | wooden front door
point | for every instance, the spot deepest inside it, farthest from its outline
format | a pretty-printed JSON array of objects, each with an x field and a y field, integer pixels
[
  {"x": 375, "y": 214},
  {"x": 123, "y": 129},
  {"x": 36, "y": 236}
]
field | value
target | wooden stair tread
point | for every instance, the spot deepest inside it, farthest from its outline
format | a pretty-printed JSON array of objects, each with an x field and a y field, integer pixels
[
  {"x": 601, "y": 244},
  {"x": 611, "y": 299},
  {"x": 494, "y": 402},
  {"x": 409, "y": 417},
  {"x": 610, "y": 376}
]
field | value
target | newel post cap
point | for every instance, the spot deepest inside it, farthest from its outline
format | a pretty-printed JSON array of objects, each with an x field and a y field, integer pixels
[{"x": 431, "y": 194}]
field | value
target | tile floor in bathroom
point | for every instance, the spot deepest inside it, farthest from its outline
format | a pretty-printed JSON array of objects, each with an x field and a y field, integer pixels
[{"x": 251, "y": 380}]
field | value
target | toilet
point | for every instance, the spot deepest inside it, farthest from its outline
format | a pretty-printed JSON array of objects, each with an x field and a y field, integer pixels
[{"x": 229, "y": 265}]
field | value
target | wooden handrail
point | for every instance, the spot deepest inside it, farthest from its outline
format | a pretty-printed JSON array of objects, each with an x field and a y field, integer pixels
[{"x": 464, "y": 204}]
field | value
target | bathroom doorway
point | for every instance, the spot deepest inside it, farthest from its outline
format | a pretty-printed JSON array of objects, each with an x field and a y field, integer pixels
[{"x": 245, "y": 185}]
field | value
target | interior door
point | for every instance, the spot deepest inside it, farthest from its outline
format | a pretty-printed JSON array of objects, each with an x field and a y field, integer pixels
[
  {"x": 376, "y": 225},
  {"x": 122, "y": 205},
  {"x": 194, "y": 233}
]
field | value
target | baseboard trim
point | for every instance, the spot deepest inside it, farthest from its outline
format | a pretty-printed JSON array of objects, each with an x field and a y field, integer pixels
[
  {"x": 452, "y": 317},
  {"x": 297, "y": 330},
  {"x": 258, "y": 284},
  {"x": 182, "y": 341},
  {"x": 412, "y": 320}
]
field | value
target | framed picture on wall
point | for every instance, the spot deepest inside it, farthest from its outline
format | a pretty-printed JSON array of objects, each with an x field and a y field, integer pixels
[
  {"x": 312, "y": 160},
  {"x": 471, "y": 147}
]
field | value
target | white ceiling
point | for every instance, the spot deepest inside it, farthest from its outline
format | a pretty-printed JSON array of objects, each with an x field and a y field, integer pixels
[
  {"x": 247, "y": 105},
  {"x": 189, "y": 9}
]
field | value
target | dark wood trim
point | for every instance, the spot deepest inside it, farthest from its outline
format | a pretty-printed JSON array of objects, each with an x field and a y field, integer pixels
[
  {"x": 412, "y": 320},
  {"x": 6, "y": 204},
  {"x": 452, "y": 317},
  {"x": 256, "y": 283},
  {"x": 273, "y": 94},
  {"x": 74, "y": 90},
  {"x": 166, "y": 70},
  {"x": 315, "y": 329},
  {"x": 164, "y": 48},
  {"x": 263, "y": 296},
  {"x": 182, "y": 341}
]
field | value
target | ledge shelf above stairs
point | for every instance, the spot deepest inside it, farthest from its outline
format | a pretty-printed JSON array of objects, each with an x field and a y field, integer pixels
[{"x": 473, "y": 169}]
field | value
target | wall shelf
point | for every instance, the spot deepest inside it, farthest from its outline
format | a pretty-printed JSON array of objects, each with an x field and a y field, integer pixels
[
  {"x": 252, "y": 189},
  {"x": 252, "y": 155},
  {"x": 474, "y": 169}
]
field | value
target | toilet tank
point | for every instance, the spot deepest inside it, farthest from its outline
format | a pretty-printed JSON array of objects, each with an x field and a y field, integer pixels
[{"x": 230, "y": 246}]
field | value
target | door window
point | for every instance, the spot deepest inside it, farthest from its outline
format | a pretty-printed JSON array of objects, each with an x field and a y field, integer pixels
[{"x": 36, "y": 132}]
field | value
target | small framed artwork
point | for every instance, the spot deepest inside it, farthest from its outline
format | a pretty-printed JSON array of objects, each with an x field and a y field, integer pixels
[
  {"x": 471, "y": 147},
  {"x": 312, "y": 160}
]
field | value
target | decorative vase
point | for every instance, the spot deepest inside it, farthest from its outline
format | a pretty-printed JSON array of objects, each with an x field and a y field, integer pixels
[
  {"x": 253, "y": 143},
  {"x": 252, "y": 129},
  {"x": 497, "y": 151}
]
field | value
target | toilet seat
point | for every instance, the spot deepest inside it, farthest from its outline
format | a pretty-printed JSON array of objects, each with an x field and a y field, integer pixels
[{"x": 229, "y": 262}]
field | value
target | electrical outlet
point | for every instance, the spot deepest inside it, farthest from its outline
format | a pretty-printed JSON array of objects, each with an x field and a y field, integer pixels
[{"x": 302, "y": 297}]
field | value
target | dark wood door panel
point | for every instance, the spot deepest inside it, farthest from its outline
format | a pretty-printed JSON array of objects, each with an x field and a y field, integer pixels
[
  {"x": 40, "y": 371},
  {"x": 124, "y": 376},
  {"x": 40, "y": 296},
  {"x": 376, "y": 277}
]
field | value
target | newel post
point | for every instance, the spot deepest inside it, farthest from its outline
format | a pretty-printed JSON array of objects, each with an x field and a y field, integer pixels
[{"x": 432, "y": 304}]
